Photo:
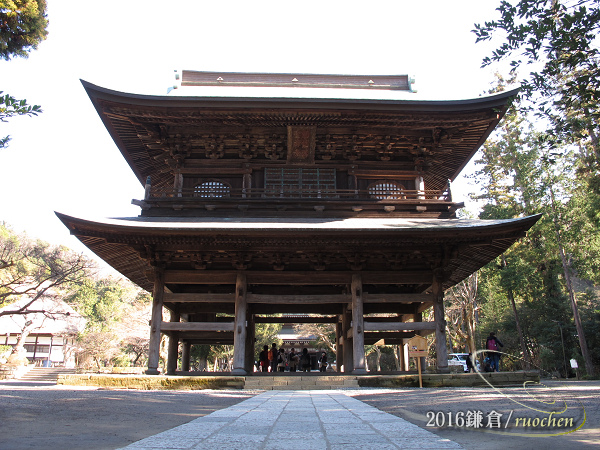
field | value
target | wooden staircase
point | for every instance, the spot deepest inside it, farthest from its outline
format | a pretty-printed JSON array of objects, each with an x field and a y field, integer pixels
[{"x": 299, "y": 381}]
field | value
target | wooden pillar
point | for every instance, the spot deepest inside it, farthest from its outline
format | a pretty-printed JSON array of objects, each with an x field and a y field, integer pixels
[
  {"x": 347, "y": 342},
  {"x": 405, "y": 357},
  {"x": 358, "y": 335},
  {"x": 178, "y": 184},
  {"x": 339, "y": 345},
  {"x": 418, "y": 317},
  {"x": 185, "y": 356},
  {"x": 246, "y": 183},
  {"x": 250, "y": 335},
  {"x": 173, "y": 352},
  {"x": 239, "y": 333},
  {"x": 440, "y": 325},
  {"x": 157, "y": 306},
  {"x": 420, "y": 187},
  {"x": 148, "y": 188}
]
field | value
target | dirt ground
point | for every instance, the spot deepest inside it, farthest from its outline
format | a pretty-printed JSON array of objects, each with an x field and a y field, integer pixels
[
  {"x": 58, "y": 418},
  {"x": 579, "y": 400},
  {"x": 64, "y": 418}
]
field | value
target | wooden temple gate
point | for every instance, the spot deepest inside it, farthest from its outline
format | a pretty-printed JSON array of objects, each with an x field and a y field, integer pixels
[
  {"x": 354, "y": 330},
  {"x": 262, "y": 206}
]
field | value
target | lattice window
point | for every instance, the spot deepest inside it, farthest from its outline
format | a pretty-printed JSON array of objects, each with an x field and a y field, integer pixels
[
  {"x": 300, "y": 182},
  {"x": 212, "y": 189},
  {"x": 387, "y": 190}
]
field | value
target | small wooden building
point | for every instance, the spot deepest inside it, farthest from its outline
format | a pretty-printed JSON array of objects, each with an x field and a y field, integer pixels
[
  {"x": 337, "y": 206},
  {"x": 50, "y": 336}
]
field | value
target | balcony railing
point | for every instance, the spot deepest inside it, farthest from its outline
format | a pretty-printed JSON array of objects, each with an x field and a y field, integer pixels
[{"x": 227, "y": 194}]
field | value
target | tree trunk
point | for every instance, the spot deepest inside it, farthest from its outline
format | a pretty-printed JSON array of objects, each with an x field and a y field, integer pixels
[
  {"x": 589, "y": 366},
  {"x": 378, "y": 358},
  {"x": 511, "y": 297},
  {"x": 20, "y": 342},
  {"x": 396, "y": 349}
]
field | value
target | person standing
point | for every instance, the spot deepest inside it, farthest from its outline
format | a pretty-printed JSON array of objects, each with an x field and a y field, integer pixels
[
  {"x": 323, "y": 362},
  {"x": 273, "y": 357},
  {"x": 293, "y": 360},
  {"x": 305, "y": 360},
  {"x": 469, "y": 361},
  {"x": 264, "y": 359},
  {"x": 493, "y": 345},
  {"x": 281, "y": 360}
]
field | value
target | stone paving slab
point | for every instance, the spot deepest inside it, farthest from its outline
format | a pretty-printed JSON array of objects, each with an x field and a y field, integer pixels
[{"x": 319, "y": 419}]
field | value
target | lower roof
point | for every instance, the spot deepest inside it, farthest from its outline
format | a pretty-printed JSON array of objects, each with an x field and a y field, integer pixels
[
  {"x": 276, "y": 224},
  {"x": 124, "y": 242}
]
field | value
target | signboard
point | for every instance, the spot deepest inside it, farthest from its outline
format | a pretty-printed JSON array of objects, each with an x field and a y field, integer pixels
[
  {"x": 574, "y": 364},
  {"x": 417, "y": 348}
]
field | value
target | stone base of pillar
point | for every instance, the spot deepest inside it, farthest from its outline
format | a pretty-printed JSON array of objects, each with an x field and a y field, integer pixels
[
  {"x": 359, "y": 372},
  {"x": 152, "y": 372},
  {"x": 238, "y": 372}
]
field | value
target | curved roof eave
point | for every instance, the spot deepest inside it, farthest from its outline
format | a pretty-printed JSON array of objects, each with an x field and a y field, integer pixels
[
  {"x": 145, "y": 226},
  {"x": 117, "y": 241},
  {"x": 483, "y": 102}
]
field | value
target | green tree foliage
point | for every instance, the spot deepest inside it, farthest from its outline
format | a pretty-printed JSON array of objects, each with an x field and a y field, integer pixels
[
  {"x": 23, "y": 26},
  {"x": 34, "y": 269},
  {"x": 117, "y": 312},
  {"x": 527, "y": 292},
  {"x": 557, "y": 41},
  {"x": 10, "y": 107}
]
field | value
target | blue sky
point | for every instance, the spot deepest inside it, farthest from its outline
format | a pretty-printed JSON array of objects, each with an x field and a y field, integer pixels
[{"x": 64, "y": 160}]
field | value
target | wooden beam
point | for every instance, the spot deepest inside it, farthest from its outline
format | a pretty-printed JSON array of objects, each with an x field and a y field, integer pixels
[
  {"x": 199, "y": 298},
  {"x": 199, "y": 277},
  {"x": 398, "y": 326},
  {"x": 327, "y": 309},
  {"x": 389, "y": 334},
  {"x": 401, "y": 277},
  {"x": 394, "y": 318},
  {"x": 299, "y": 299},
  {"x": 199, "y": 308},
  {"x": 397, "y": 298},
  {"x": 221, "y": 341},
  {"x": 197, "y": 326},
  {"x": 215, "y": 336},
  {"x": 296, "y": 319},
  {"x": 387, "y": 341},
  {"x": 295, "y": 278},
  {"x": 390, "y": 308},
  {"x": 424, "y": 307}
]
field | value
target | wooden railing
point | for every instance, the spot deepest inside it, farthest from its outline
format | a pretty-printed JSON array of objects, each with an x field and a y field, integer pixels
[{"x": 226, "y": 194}]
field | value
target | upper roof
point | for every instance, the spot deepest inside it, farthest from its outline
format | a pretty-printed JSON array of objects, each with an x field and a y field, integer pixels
[{"x": 440, "y": 137}]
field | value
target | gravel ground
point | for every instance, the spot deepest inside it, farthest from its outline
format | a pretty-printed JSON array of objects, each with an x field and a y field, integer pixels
[
  {"x": 414, "y": 404},
  {"x": 59, "y": 418}
]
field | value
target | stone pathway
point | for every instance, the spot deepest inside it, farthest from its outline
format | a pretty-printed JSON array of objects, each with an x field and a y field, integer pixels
[{"x": 297, "y": 419}]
